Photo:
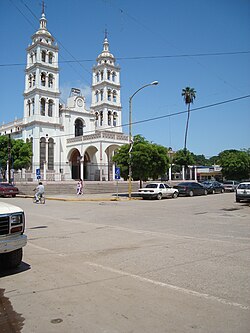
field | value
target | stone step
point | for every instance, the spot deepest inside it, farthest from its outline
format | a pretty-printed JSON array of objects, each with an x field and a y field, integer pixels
[{"x": 70, "y": 188}]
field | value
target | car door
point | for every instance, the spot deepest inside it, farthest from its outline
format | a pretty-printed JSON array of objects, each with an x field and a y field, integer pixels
[
  {"x": 162, "y": 189},
  {"x": 168, "y": 190}
]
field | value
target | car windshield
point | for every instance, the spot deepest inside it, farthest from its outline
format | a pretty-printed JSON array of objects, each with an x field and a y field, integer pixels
[
  {"x": 228, "y": 183},
  {"x": 151, "y": 186},
  {"x": 244, "y": 186}
]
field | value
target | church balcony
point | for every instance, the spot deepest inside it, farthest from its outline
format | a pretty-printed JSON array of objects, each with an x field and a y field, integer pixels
[{"x": 98, "y": 136}]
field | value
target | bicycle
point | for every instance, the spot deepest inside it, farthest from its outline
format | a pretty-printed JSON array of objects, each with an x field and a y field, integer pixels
[{"x": 41, "y": 199}]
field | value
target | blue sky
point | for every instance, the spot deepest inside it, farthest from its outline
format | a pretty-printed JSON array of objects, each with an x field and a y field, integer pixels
[{"x": 151, "y": 32}]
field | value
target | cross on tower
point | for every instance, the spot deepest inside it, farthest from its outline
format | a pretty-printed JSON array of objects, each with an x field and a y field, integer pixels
[{"x": 43, "y": 7}]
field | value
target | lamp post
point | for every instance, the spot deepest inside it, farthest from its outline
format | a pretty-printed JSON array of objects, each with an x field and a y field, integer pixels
[{"x": 154, "y": 83}]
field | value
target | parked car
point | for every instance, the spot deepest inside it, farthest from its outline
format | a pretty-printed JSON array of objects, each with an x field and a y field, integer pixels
[
  {"x": 158, "y": 191},
  {"x": 191, "y": 189},
  {"x": 213, "y": 186},
  {"x": 242, "y": 192},
  {"x": 7, "y": 189},
  {"x": 230, "y": 185}
]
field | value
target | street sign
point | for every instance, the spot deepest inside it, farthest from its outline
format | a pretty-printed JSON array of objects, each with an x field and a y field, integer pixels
[
  {"x": 38, "y": 172},
  {"x": 117, "y": 173}
]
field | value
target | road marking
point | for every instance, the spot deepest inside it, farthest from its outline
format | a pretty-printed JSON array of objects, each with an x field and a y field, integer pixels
[
  {"x": 44, "y": 249},
  {"x": 169, "y": 286}
]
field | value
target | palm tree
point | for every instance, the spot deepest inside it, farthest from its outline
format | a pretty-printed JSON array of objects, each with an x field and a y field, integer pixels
[{"x": 189, "y": 96}]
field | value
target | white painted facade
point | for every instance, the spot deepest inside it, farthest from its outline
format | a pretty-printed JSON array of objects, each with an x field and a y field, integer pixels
[{"x": 69, "y": 141}]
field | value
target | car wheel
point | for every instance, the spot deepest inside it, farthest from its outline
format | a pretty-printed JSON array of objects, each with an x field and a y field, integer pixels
[
  {"x": 12, "y": 259},
  {"x": 159, "y": 196},
  {"x": 175, "y": 195},
  {"x": 237, "y": 200},
  {"x": 213, "y": 191},
  {"x": 191, "y": 193},
  {"x": 222, "y": 190},
  {"x": 205, "y": 192}
]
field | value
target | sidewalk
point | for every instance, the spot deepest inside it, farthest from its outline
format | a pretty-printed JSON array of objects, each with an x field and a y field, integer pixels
[{"x": 88, "y": 197}]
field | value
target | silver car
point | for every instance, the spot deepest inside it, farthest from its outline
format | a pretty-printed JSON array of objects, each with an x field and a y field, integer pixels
[{"x": 158, "y": 191}]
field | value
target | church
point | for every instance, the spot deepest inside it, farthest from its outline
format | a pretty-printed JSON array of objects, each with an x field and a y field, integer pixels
[{"x": 69, "y": 141}]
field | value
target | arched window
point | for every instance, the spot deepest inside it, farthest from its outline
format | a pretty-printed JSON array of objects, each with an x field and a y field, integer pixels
[
  {"x": 97, "y": 77},
  {"x": 108, "y": 75},
  {"x": 30, "y": 81},
  {"x": 113, "y": 76},
  {"x": 109, "y": 118},
  {"x": 96, "y": 118},
  {"x": 101, "y": 95},
  {"x": 50, "y": 57},
  {"x": 114, "y": 96},
  {"x": 101, "y": 75},
  {"x": 50, "y": 80},
  {"x": 109, "y": 95},
  {"x": 42, "y": 152},
  {"x": 96, "y": 96},
  {"x": 43, "y": 54},
  {"x": 51, "y": 154},
  {"x": 34, "y": 79},
  {"x": 42, "y": 107},
  {"x": 33, "y": 105},
  {"x": 50, "y": 108},
  {"x": 43, "y": 79},
  {"x": 114, "y": 118},
  {"x": 101, "y": 118},
  {"x": 29, "y": 108},
  {"x": 78, "y": 127}
]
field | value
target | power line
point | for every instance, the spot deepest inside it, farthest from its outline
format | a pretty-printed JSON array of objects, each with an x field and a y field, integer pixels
[
  {"x": 145, "y": 57},
  {"x": 162, "y": 117}
]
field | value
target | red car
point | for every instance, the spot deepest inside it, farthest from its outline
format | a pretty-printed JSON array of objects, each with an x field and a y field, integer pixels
[{"x": 8, "y": 190}]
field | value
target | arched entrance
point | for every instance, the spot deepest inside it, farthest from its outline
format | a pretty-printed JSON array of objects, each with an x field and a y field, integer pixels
[{"x": 75, "y": 159}]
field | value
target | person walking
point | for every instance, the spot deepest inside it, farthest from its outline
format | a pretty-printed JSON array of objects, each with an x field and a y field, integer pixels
[{"x": 79, "y": 187}]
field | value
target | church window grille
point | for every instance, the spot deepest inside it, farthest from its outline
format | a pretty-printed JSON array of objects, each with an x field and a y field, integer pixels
[
  {"x": 50, "y": 154},
  {"x": 29, "y": 108},
  {"x": 96, "y": 118},
  {"x": 113, "y": 76},
  {"x": 42, "y": 152},
  {"x": 50, "y": 108},
  {"x": 108, "y": 75},
  {"x": 101, "y": 75},
  {"x": 42, "y": 107},
  {"x": 78, "y": 127},
  {"x": 97, "y": 77},
  {"x": 101, "y": 95},
  {"x": 33, "y": 106}
]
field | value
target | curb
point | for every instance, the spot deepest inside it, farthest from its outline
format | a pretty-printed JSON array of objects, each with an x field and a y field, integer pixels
[{"x": 82, "y": 199}]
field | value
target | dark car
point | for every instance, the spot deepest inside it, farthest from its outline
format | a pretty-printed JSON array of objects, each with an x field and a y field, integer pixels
[
  {"x": 191, "y": 189},
  {"x": 213, "y": 186},
  {"x": 7, "y": 189}
]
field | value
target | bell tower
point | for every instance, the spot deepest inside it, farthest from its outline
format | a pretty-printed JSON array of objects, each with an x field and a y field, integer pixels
[
  {"x": 106, "y": 97},
  {"x": 41, "y": 94}
]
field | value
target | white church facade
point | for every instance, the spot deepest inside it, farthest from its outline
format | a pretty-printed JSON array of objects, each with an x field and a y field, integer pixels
[{"x": 69, "y": 141}]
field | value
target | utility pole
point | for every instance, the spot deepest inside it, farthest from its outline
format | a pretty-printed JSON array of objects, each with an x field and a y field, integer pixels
[{"x": 9, "y": 159}]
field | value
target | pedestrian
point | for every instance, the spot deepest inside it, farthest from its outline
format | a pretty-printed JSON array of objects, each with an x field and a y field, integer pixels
[{"x": 79, "y": 187}]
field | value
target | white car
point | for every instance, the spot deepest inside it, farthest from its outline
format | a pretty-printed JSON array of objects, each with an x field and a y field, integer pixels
[
  {"x": 242, "y": 192},
  {"x": 158, "y": 191}
]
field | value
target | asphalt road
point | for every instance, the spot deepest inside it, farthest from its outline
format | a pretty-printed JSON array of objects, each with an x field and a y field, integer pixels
[{"x": 175, "y": 265}]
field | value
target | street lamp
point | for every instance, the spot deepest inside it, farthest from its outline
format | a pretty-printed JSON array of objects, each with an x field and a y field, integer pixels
[{"x": 154, "y": 83}]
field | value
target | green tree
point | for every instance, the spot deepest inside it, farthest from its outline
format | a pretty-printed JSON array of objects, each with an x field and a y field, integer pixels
[
  {"x": 199, "y": 159},
  {"x": 20, "y": 153},
  {"x": 149, "y": 160},
  {"x": 184, "y": 157},
  {"x": 235, "y": 164},
  {"x": 189, "y": 95}
]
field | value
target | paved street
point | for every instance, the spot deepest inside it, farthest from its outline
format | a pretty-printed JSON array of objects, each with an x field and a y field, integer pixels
[{"x": 175, "y": 265}]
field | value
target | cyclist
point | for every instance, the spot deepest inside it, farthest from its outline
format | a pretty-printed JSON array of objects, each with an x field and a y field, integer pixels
[{"x": 39, "y": 191}]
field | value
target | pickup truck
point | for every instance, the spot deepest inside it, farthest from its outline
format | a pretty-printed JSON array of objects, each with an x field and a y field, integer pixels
[{"x": 12, "y": 237}]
